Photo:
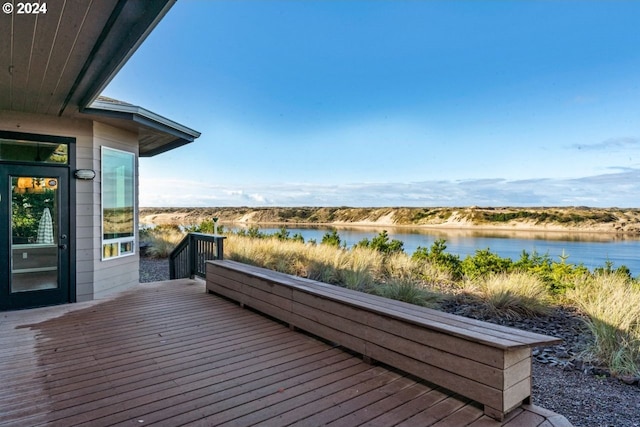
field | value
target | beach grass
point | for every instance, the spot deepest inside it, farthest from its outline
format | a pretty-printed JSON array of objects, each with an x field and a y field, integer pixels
[
  {"x": 612, "y": 303},
  {"x": 514, "y": 295},
  {"x": 161, "y": 241}
]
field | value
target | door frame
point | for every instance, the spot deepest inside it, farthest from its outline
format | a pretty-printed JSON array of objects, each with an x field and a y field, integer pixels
[{"x": 67, "y": 214}]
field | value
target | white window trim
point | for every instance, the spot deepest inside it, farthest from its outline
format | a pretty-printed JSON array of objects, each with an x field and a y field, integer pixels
[{"x": 117, "y": 241}]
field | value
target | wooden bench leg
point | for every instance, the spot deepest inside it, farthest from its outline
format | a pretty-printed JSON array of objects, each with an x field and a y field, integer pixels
[{"x": 494, "y": 413}]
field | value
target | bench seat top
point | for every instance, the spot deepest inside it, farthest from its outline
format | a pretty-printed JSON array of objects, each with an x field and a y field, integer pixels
[{"x": 482, "y": 332}]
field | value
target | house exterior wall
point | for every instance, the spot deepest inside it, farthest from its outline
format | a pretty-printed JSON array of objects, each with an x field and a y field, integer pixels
[
  {"x": 94, "y": 278},
  {"x": 119, "y": 273}
]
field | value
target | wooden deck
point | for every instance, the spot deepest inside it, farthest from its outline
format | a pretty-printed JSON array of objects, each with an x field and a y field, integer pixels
[{"x": 169, "y": 354}]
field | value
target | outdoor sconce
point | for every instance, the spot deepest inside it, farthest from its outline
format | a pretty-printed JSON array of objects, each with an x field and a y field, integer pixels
[{"x": 86, "y": 174}]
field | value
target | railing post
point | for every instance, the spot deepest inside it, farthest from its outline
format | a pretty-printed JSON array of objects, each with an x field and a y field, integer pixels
[
  {"x": 192, "y": 256},
  {"x": 172, "y": 268},
  {"x": 219, "y": 247}
]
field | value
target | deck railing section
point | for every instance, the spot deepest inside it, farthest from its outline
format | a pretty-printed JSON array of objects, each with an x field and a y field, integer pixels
[{"x": 188, "y": 259}]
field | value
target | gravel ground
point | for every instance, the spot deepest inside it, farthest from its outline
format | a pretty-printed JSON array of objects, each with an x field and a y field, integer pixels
[
  {"x": 153, "y": 270},
  {"x": 585, "y": 395}
]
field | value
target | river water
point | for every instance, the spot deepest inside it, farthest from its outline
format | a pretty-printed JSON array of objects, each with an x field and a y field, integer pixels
[{"x": 591, "y": 249}]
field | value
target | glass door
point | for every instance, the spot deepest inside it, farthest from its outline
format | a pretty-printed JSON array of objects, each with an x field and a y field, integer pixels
[{"x": 34, "y": 203}]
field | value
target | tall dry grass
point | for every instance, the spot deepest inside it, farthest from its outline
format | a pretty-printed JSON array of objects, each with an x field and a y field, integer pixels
[
  {"x": 513, "y": 295},
  {"x": 356, "y": 269},
  {"x": 361, "y": 269},
  {"x": 612, "y": 303},
  {"x": 162, "y": 241}
]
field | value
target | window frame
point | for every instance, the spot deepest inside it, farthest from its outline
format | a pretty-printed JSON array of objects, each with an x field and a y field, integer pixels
[{"x": 117, "y": 244}]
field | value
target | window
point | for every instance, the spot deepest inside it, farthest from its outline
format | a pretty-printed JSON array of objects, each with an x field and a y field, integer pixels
[
  {"x": 34, "y": 151},
  {"x": 118, "y": 194}
]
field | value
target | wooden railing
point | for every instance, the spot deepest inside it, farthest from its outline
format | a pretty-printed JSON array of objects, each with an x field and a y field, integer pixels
[{"x": 189, "y": 257}]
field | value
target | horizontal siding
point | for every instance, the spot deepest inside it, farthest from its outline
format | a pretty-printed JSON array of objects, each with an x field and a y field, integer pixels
[
  {"x": 94, "y": 277},
  {"x": 82, "y": 131},
  {"x": 120, "y": 273}
]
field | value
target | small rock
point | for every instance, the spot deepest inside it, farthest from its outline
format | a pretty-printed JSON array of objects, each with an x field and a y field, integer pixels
[{"x": 629, "y": 379}]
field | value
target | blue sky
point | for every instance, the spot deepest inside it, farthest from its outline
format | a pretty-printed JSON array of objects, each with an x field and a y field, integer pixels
[{"x": 393, "y": 103}]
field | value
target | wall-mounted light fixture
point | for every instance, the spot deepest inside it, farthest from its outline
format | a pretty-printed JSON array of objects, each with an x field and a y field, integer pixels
[{"x": 87, "y": 174}]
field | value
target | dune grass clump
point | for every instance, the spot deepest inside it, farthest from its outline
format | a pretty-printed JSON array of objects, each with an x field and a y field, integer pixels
[
  {"x": 612, "y": 304},
  {"x": 161, "y": 240},
  {"x": 285, "y": 257},
  {"x": 407, "y": 290},
  {"x": 355, "y": 269},
  {"x": 513, "y": 295}
]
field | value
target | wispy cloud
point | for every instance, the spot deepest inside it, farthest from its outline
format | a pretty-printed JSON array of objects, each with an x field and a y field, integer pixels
[
  {"x": 620, "y": 189},
  {"x": 626, "y": 143},
  {"x": 583, "y": 99}
]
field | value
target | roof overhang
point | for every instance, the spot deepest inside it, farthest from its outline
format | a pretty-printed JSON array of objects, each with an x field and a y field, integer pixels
[
  {"x": 58, "y": 63},
  {"x": 157, "y": 134}
]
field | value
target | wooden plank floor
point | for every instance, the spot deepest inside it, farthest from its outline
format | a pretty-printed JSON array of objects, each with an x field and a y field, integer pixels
[{"x": 169, "y": 354}]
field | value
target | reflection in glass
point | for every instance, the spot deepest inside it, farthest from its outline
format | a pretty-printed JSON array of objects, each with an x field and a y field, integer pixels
[
  {"x": 30, "y": 151},
  {"x": 34, "y": 254},
  {"x": 118, "y": 191}
]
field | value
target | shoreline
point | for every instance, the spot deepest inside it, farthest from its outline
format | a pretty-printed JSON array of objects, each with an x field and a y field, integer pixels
[
  {"x": 575, "y": 221},
  {"x": 444, "y": 227}
]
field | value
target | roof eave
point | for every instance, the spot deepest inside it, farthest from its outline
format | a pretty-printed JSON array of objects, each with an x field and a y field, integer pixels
[
  {"x": 113, "y": 50},
  {"x": 181, "y": 135},
  {"x": 140, "y": 115}
]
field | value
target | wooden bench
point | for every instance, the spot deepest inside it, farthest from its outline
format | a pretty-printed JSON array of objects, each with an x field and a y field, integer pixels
[{"x": 487, "y": 363}]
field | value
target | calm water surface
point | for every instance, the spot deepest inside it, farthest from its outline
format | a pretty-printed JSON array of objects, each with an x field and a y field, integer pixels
[{"x": 590, "y": 249}]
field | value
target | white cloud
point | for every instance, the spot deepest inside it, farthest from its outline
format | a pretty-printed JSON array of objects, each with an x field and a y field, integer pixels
[
  {"x": 620, "y": 143},
  {"x": 620, "y": 189}
]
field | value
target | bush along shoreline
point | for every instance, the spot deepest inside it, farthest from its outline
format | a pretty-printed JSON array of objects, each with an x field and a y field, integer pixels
[{"x": 597, "y": 313}]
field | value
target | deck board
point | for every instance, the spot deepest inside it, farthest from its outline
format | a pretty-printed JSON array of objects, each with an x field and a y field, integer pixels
[{"x": 167, "y": 353}]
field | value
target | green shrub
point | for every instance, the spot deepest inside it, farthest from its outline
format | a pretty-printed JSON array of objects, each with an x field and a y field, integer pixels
[
  {"x": 622, "y": 270},
  {"x": 381, "y": 243},
  {"x": 207, "y": 227},
  {"x": 442, "y": 260},
  {"x": 485, "y": 262},
  {"x": 331, "y": 238},
  {"x": 282, "y": 234}
]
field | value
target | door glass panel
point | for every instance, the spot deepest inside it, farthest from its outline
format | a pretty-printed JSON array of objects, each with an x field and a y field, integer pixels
[{"x": 34, "y": 234}]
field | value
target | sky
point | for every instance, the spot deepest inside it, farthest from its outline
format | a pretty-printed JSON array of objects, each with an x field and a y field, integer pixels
[{"x": 393, "y": 103}]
